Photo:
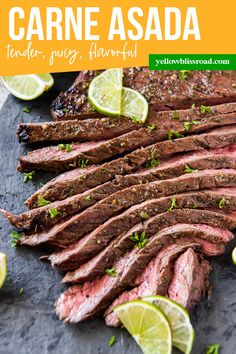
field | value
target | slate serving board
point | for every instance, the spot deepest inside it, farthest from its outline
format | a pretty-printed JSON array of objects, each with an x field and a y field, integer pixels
[{"x": 28, "y": 323}]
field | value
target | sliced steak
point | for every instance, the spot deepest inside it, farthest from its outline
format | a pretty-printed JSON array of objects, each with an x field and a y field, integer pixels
[
  {"x": 97, "y": 240},
  {"x": 190, "y": 280},
  {"x": 39, "y": 218},
  {"x": 163, "y": 89},
  {"x": 79, "y": 180},
  {"x": 97, "y": 265},
  {"x": 67, "y": 232},
  {"x": 75, "y": 130},
  {"x": 54, "y": 158},
  {"x": 80, "y": 303},
  {"x": 158, "y": 275},
  {"x": 108, "y": 128}
]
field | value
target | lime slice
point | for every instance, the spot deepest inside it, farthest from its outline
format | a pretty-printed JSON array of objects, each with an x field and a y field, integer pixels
[
  {"x": 134, "y": 105},
  {"x": 234, "y": 255},
  {"x": 25, "y": 87},
  {"x": 148, "y": 326},
  {"x": 3, "y": 269},
  {"x": 178, "y": 317},
  {"x": 105, "y": 92},
  {"x": 47, "y": 79}
]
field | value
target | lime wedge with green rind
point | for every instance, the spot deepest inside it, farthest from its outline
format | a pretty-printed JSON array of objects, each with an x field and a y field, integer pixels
[
  {"x": 178, "y": 317},
  {"x": 3, "y": 269},
  {"x": 105, "y": 92},
  {"x": 148, "y": 326},
  {"x": 134, "y": 105}
]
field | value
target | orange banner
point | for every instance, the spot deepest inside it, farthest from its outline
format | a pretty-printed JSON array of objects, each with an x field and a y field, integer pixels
[{"x": 58, "y": 35}]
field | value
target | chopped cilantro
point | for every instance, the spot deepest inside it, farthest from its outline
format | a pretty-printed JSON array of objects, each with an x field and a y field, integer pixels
[
  {"x": 204, "y": 109},
  {"x": 140, "y": 241},
  {"x": 222, "y": 203},
  {"x": 53, "y": 213},
  {"x": 213, "y": 349},
  {"x": 88, "y": 198},
  {"x": 151, "y": 126},
  {"x": 21, "y": 291},
  {"x": 173, "y": 134},
  {"x": 184, "y": 74},
  {"x": 111, "y": 272},
  {"x": 83, "y": 163},
  {"x": 144, "y": 215},
  {"x": 188, "y": 125},
  {"x": 28, "y": 176},
  {"x": 188, "y": 169},
  {"x": 26, "y": 110},
  {"x": 43, "y": 202},
  {"x": 15, "y": 237},
  {"x": 193, "y": 105},
  {"x": 175, "y": 115},
  {"x": 112, "y": 341},
  {"x": 173, "y": 204},
  {"x": 66, "y": 147},
  {"x": 152, "y": 162}
]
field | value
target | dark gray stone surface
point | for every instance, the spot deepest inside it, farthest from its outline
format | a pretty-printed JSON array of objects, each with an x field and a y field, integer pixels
[{"x": 28, "y": 323}]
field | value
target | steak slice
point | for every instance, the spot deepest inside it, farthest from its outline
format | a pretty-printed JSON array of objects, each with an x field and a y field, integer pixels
[
  {"x": 80, "y": 303},
  {"x": 108, "y": 128},
  {"x": 97, "y": 240},
  {"x": 158, "y": 275},
  {"x": 97, "y": 265},
  {"x": 190, "y": 280},
  {"x": 54, "y": 158},
  {"x": 67, "y": 232},
  {"x": 39, "y": 218},
  {"x": 79, "y": 180},
  {"x": 164, "y": 90}
]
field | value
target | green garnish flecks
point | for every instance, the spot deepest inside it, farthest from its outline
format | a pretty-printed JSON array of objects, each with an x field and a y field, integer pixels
[
  {"x": 66, "y": 147},
  {"x": 184, "y": 74},
  {"x": 111, "y": 272},
  {"x": 88, "y": 198},
  {"x": 26, "y": 110},
  {"x": 213, "y": 349},
  {"x": 175, "y": 115},
  {"x": 194, "y": 206},
  {"x": 204, "y": 109},
  {"x": 144, "y": 215},
  {"x": 173, "y": 134},
  {"x": 151, "y": 127},
  {"x": 112, "y": 341},
  {"x": 53, "y": 213},
  {"x": 21, "y": 291},
  {"x": 140, "y": 241},
  {"x": 188, "y": 169},
  {"x": 222, "y": 203},
  {"x": 188, "y": 125},
  {"x": 173, "y": 204},
  {"x": 193, "y": 105},
  {"x": 83, "y": 163},
  {"x": 28, "y": 176},
  {"x": 42, "y": 202},
  {"x": 15, "y": 237},
  {"x": 152, "y": 162}
]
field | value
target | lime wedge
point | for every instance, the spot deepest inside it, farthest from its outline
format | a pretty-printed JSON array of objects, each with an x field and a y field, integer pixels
[
  {"x": 134, "y": 105},
  {"x": 3, "y": 269},
  {"x": 178, "y": 317},
  {"x": 105, "y": 92},
  {"x": 234, "y": 255},
  {"x": 25, "y": 87},
  {"x": 47, "y": 79},
  {"x": 148, "y": 326}
]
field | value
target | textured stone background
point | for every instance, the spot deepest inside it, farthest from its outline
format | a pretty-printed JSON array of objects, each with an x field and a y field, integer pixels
[{"x": 28, "y": 324}]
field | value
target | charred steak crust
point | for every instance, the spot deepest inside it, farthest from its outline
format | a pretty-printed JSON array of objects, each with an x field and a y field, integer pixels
[
  {"x": 79, "y": 180},
  {"x": 164, "y": 90}
]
